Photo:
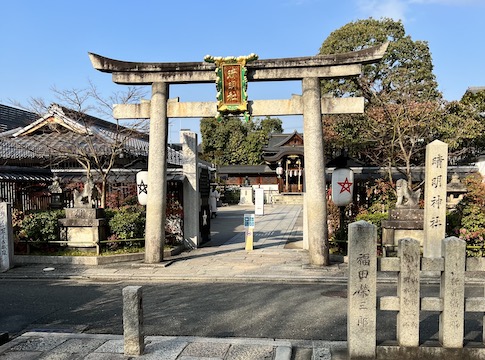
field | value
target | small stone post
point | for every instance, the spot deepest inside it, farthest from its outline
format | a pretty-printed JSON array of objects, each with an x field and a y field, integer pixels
[
  {"x": 361, "y": 311},
  {"x": 6, "y": 237},
  {"x": 452, "y": 291},
  {"x": 191, "y": 188},
  {"x": 133, "y": 321},
  {"x": 435, "y": 197},
  {"x": 408, "y": 293}
]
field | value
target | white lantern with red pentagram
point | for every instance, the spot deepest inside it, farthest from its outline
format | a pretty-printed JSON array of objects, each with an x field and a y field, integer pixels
[
  {"x": 342, "y": 186},
  {"x": 142, "y": 187}
]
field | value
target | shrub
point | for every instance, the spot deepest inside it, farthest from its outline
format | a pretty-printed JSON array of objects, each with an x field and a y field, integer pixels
[
  {"x": 468, "y": 220},
  {"x": 231, "y": 196},
  {"x": 373, "y": 218},
  {"x": 39, "y": 226},
  {"x": 127, "y": 222}
]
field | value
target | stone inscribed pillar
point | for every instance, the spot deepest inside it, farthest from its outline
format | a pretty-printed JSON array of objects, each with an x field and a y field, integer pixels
[
  {"x": 435, "y": 197},
  {"x": 134, "y": 342},
  {"x": 408, "y": 293},
  {"x": 452, "y": 291},
  {"x": 191, "y": 188},
  {"x": 361, "y": 295},
  {"x": 6, "y": 237}
]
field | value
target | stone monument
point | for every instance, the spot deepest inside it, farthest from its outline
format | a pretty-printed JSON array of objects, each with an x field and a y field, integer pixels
[
  {"x": 361, "y": 291},
  {"x": 246, "y": 195},
  {"x": 435, "y": 197},
  {"x": 6, "y": 237},
  {"x": 406, "y": 220},
  {"x": 192, "y": 201},
  {"x": 84, "y": 225}
]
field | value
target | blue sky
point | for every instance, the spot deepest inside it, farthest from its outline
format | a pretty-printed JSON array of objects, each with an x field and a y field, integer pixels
[{"x": 46, "y": 43}]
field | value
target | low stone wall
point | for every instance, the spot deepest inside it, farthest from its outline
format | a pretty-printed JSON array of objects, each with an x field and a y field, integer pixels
[
  {"x": 293, "y": 199},
  {"x": 88, "y": 260}
]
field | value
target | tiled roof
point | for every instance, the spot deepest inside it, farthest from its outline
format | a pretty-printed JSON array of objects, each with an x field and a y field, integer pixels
[
  {"x": 475, "y": 89},
  {"x": 42, "y": 138},
  {"x": 275, "y": 140},
  {"x": 11, "y": 118}
]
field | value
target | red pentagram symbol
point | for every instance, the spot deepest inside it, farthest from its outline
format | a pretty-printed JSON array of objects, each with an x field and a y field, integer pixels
[{"x": 345, "y": 185}]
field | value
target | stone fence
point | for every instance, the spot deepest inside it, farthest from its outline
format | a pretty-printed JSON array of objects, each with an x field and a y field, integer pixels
[{"x": 409, "y": 265}]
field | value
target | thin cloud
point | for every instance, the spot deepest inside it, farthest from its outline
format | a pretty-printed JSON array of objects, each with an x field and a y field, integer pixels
[
  {"x": 394, "y": 9},
  {"x": 398, "y": 9},
  {"x": 448, "y": 2}
]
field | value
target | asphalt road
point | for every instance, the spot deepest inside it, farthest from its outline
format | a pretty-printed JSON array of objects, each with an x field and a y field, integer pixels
[{"x": 284, "y": 311}]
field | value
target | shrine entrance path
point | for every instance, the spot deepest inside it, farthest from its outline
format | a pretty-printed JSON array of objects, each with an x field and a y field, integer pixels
[{"x": 280, "y": 227}]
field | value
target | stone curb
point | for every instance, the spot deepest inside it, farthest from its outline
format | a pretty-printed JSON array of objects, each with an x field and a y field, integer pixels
[
  {"x": 89, "y": 260},
  {"x": 283, "y": 348},
  {"x": 210, "y": 278}
]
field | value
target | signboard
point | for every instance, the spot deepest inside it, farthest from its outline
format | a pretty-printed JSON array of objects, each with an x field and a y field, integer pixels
[
  {"x": 249, "y": 231},
  {"x": 249, "y": 220},
  {"x": 231, "y": 84},
  {"x": 259, "y": 201}
]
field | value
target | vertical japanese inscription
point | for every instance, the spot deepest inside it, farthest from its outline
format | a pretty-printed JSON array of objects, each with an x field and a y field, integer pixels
[
  {"x": 363, "y": 290},
  {"x": 361, "y": 321},
  {"x": 231, "y": 84},
  {"x": 6, "y": 237},
  {"x": 435, "y": 197},
  {"x": 408, "y": 293},
  {"x": 452, "y": 291},
  {"x": 3, "y": 231}
]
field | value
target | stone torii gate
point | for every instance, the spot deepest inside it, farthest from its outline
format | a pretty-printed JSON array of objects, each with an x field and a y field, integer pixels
[{"x": 310, "y": 70}]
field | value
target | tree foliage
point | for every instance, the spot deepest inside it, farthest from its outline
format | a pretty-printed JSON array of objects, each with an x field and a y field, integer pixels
[
  {"x": 406, "y": 70},
  {"x": 475, "y": 99},
  {"x": 402, "y": 101},
  {"x": 468, "y": 219},
  {"x": 404, "y": 109},
  {"x": 232, "y": 142},
  {"x": 462, "y": 128}
]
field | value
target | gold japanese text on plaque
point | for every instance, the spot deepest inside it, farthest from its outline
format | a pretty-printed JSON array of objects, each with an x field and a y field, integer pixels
[{"x": 231, "y": 84}]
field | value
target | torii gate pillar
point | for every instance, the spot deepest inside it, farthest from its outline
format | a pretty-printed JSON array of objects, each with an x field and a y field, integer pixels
[
  {"x": 157, "y": 181},
  {"x": 316, "y": 201}
]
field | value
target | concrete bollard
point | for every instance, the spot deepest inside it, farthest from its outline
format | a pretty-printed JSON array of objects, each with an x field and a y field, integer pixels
[
  {"x": 362, "y": 289},
  {"x": 134, "y": 341},
  {"x": 451, "y": 329}
]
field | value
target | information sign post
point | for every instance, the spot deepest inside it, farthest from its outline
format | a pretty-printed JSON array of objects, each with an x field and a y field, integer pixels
[{"x": 249, "y": 231}]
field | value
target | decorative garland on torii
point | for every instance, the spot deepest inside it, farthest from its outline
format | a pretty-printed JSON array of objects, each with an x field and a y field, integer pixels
[{"x": 231, "y": 84}]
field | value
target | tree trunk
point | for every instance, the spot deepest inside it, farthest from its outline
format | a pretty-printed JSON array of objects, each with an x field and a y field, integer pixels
[{"x": 103, "y": 194}]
